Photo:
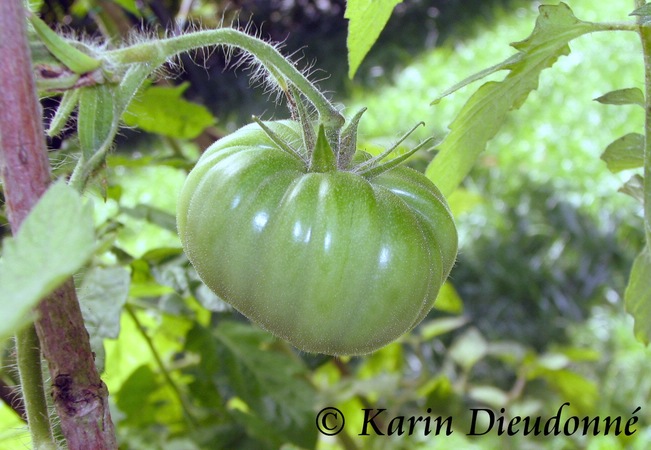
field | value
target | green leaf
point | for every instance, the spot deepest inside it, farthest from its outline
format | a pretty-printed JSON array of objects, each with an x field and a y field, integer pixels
[
  {"x": 240, "y": 365},
  {"x": 366, "y": 18},
  {"x": 163, "y": 110},
  {"x": 33, "y": 6},
  {"x": 134, "y": 398},
  {"x": 131, "y": 6},
  {"x": 484, "y": 113},
  {"x": 468, "y": 349},
  {"x": 102, "y": 295},
  {"x": 634, "y": 187},
  {"x": 581, "y": 392},
  {"x": 625, "y": 153},
  {"x": 637, "y": 297},
  {"x": 437, "y": 327},
  {"x": 463, "y": 201},
  {"x": 489, "y": 395},
  {"x": 43, "y": 254},
  {"x": 630, "y": 96},
  {"x": 448, "y": 299},
  {"x": 154, "y": 215},
  {"x": 643, "y": 11}
]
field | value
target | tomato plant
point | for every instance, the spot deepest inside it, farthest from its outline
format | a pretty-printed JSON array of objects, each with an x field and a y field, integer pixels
[
  {"x": 291, "y": 222},
  {"x": 337, "y": 261}
]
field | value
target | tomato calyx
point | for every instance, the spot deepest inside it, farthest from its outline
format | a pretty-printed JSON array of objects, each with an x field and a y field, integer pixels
[
  {"x": 322, "y": 157},
  {"x": 326, "y": 150},
  {"x": 372, "y": 167}
]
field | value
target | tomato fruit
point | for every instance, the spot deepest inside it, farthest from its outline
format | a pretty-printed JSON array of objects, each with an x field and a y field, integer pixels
[{"x": 332, "y": 261}]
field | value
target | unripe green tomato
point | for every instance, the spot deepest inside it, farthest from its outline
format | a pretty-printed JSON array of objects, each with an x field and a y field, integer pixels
[{"x": 332, "y": 262}]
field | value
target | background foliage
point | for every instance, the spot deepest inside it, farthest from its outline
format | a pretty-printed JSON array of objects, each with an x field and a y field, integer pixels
[{"x": 535, "y": 317}]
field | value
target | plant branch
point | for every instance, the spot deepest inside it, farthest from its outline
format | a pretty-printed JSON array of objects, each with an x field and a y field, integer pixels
[
  {"x": 28, "y": 357},
  {"x": 272, "y": 60},
  {"x": 80, "y": 397},
  {"x": 24, "y": 170},
  {"x": 159, "y": 361}
]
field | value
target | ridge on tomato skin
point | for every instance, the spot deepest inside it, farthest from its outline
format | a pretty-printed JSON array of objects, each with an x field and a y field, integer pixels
[{"x": 331, "y": 261}]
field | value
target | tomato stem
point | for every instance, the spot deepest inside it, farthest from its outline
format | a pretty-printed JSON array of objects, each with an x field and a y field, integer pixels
[
  {"x": 279, "y": 67},
  {"x": 78, "y": 394},
  {"x": 28, "y": 359}
]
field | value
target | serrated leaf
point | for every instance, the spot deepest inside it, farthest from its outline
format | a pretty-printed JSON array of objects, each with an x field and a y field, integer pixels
[
  {"x": 163, "y": 110},
  {"x": 629, "y": 96},
  {"x": 366, "y": 19},
  {"x": 643, "y": 11},
  {"x": 637, "y": 297},
  {"x": 484, "y": 113},
  {"x": 43, "y": 254},
  {"x": 634, "y": 187},
  {"x": 625, "y": 153}
]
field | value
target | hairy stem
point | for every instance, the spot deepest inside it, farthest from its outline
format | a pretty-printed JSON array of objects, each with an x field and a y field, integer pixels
[
  {"x": 28, "y": 357},
  {"x": 24, "y": 170},
  {"x": 79, "y": 396},
  {"x": 645, "y": 36},
  {"x": 273, "y": 61}
]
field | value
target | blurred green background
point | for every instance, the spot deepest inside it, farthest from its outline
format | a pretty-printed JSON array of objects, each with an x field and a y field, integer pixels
[{"x": 533, "y": 316}]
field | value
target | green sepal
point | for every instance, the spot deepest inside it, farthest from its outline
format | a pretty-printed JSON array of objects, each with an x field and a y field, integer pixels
[
  {"x": 375, "y": 170},
  {"x": 309, "y": 137},
  {"x": 372, "y": 163},
  {"x": 278, "y": 140},
  {"x": 73, "y": 58},
  {"x": 95, "y": 119},
  {"x": 68, "y": 103},
  {"x": 349, "y": 141},
  {"x": 322, "y": 158},
  {"x": 49, "y": 73}
]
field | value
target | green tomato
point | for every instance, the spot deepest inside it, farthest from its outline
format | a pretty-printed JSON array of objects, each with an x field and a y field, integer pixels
[{"x": 332, "y": 262}]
